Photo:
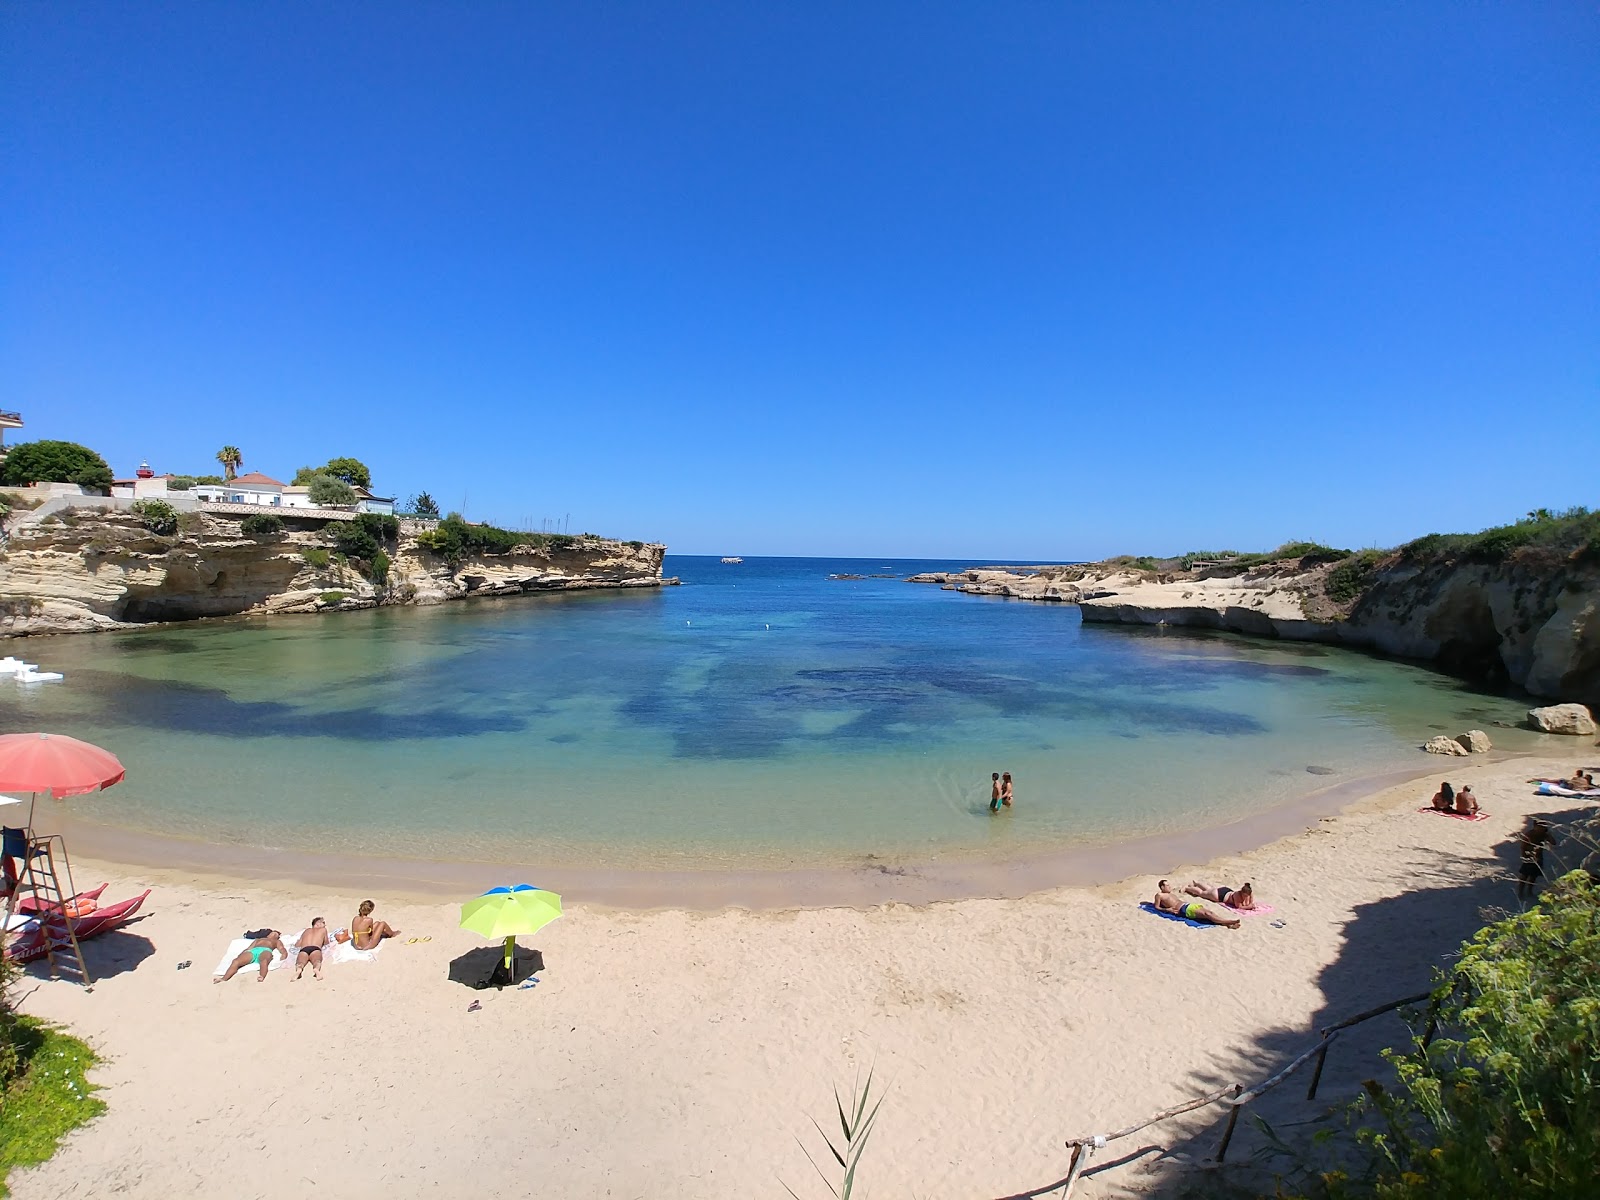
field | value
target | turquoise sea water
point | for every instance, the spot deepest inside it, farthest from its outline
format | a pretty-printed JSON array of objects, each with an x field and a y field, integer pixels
[{"x": 761, "y": 714}]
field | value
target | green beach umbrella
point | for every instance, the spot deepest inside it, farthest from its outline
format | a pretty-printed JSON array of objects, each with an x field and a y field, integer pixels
[{"x": 505, "y": 912}]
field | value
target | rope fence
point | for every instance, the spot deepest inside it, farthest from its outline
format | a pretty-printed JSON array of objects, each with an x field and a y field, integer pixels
[{"x": 1236, "y": 1096}]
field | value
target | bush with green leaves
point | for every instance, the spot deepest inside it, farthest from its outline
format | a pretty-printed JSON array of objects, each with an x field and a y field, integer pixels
[
  {"x": 158, "y": 516},
  {"x": 326, "y": 490},
  {"x": 1505, "y": 1100},
  {"x": 49, "y": 461},
  {"x": 453, "y": 539},
  {"x": 182, "y": 483},
  {"x": 1352, "y": 577},
  {"x": 261, "y": 525},
  {"x": 315, "y": 556},
  {"x": 1573, "y": 532},
  {"x": 351, "y": 471},
  {"x": 333, "y": 597}
]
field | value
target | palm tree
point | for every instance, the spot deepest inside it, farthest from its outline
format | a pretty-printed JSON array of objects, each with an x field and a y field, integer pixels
[{"x": 231, "y": 461}]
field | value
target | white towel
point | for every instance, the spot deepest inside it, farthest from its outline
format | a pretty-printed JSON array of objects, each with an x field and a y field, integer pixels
[
  {"x": 333, "y": 952},
  {"x": 239, "y": 945}
]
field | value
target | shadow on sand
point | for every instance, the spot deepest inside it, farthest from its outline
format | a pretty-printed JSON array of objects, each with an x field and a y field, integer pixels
[
  {"x": 483, "y": 967},
  {"x": 1417, "y": 933}
]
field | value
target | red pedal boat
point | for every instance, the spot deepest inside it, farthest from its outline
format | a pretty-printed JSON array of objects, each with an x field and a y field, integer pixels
[{"x": 44, "y": 930}]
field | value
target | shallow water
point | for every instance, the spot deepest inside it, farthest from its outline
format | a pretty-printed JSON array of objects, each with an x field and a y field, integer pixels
[{"x": 760, "y": 715}]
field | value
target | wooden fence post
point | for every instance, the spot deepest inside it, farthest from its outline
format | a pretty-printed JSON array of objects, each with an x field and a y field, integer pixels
[
  {"x": 1080, "y": 1155},
  {"x": 1233, "y": 1119},
  {"x": 1316, "y": 1075}
]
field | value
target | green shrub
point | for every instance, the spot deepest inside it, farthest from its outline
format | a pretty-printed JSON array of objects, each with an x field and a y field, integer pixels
[
  {"x": 380, "y": 568},
  {"x": 1353, "y": 576},
  {"x": 55, "y": 462},
  {"x": 315, "y": 557},
  {"x": 333, "y": 597},
  {"x": 45, "y": 1091},
  {"x": 454, "y": 539},
  {"x": 636, "y": 545},
  {"x": 158, "y": 516},
  {"x": 347, "y": 470},
  {"x": 325, "y": 489},
  {"x": 1506, "y": 1102},
  {"x": 182, "y": 483},
  {"x": 1574, "y": 531},
  {"x": 261, "y": 524},
  {"x": 561, "y": 541}
]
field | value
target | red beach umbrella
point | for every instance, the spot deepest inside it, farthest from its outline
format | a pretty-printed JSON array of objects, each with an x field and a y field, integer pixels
[{"x": 56, "y": 765}]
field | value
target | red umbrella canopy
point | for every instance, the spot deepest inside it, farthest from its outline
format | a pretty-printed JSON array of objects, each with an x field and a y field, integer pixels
[{"x": 61, "y": 766}]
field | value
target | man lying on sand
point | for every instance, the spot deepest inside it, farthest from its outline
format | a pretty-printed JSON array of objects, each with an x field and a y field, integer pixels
[
  {"x": 1580, "y": 782},
  {"x": 312, "y": 942},
  {"x": 259, "y": 952},
  {"x": 1169, "y": 901},
  {"x": 1240, "y": 897}
]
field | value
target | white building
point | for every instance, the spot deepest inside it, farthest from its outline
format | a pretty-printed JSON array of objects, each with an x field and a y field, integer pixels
[
  {"x": 145, "y": 484},
  {"x": 254, "y": 488},
  {"x": 367, "y": 502}
]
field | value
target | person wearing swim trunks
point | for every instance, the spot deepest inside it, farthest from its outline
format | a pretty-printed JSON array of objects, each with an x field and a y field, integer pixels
[
  {"x": 258, "y": 953},
  {"x": 1466, "y": 803},
  {"x": 1242, "y": 897},
  {"x": 312, "y": 943},
  {"x": 1168, "y": 901},
  {"x": 994, "y": 791}
]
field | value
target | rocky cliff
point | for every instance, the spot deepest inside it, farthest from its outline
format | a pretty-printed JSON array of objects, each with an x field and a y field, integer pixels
[
  {"x": 1531, "y": 621},
  {"x": 90, "y": 569}
]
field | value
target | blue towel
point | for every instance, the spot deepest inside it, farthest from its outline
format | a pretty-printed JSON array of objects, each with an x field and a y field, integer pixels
[{"x": 1151, "y": 908}]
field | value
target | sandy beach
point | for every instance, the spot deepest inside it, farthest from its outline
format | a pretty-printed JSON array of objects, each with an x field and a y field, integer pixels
[{"x": 677, "y": 1053}]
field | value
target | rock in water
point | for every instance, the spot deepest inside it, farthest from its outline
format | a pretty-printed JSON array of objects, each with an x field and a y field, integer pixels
[
  {"x": 1476, "y": 741},
  {"x": 1444, "y": 745},
  {"x": 1321, "y": 770},
  {"x": 1574, "y": 719}
]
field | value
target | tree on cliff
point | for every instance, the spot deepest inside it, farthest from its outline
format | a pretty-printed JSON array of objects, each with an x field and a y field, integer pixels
[
  {"x": 325, "y": 489},
  {"x": 424, "y": 505},
  {"x": 351, "y": 470},
  {"x": 56, "y": 462},
  {"x": 231, "y": 461}
]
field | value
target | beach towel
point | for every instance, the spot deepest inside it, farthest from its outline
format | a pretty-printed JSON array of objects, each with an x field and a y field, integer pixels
[
  {"x": 1555, "y": 789},
  {"x": 1480, "y": 815},
  {"x": 1151, "y": 908},
  {"x": 1259, "y": 910},
  {"x": 333, "y": 952},
  {"x": 239, "y": 945}
]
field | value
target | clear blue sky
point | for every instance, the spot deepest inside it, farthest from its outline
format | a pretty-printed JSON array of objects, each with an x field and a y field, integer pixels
[{"x": 1025, "y": 280}]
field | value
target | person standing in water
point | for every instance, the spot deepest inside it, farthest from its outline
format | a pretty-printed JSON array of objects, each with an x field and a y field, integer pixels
[
  {"x": 1005, "y": 789},
  {"x": 994, "y": 792}
]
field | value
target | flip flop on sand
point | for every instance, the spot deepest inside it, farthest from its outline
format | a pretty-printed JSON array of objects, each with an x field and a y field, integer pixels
[{"x": 475, "y": 1006}]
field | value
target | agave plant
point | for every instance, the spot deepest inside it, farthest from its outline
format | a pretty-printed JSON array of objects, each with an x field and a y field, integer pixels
[{"x": 855, "y": 1126}]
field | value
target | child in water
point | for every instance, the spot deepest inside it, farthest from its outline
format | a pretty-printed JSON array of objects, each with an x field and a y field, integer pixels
[{"x": 994, "y": 792}]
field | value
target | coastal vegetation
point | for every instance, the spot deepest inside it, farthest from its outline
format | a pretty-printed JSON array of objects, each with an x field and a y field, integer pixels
[
  {"x": 315, "y": 556},
  {"x": 1573, "y": 532},
  {"x": 325, "y": 489},
  {"x": 351, "y": 471},
  {"x": 158, "y": 516},
  {"x": 44, "y": 1088},
  {"x": 48, "y": 461},
  {"x": 261, "y": 524},
  {"x": 363, "y": 543},
  {"x": 423, "y": 505},
  {"x": 1505, "y": 1100},
  {"x": 231, "y": 460},
  {"x": 182, "y": 483}
]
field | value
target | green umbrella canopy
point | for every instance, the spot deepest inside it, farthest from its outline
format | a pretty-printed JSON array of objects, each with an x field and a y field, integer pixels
[{"x": 505, "y": 912}]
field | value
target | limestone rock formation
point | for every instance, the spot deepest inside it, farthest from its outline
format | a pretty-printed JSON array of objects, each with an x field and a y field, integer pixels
[
  {"x": 1531, "y": 624},
  {"x": 88, "y": 569},
  {"x": 1445, "y": 745},
  {"x": 1476, "y": 741},
  {"x": 1572, "y": 719}
]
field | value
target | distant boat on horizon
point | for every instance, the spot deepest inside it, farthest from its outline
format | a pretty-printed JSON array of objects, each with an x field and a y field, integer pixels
[{"x": 733, "y": 559}]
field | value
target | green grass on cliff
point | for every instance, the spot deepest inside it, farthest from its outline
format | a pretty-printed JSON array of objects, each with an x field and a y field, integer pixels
[{"x": 1572, "y": 533}]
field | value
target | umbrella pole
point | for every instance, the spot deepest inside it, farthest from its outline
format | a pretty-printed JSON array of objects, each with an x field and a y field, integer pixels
[{"x": 511, "y": 947}]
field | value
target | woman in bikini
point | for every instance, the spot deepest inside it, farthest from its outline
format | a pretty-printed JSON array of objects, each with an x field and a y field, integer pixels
[
  {"x": 1005, "y": 789},
  {"x": 1445, "y": 798},
  {"x": 1242, "y": 897},
  {"x": 367, "y": 933},
  {"x": 259, "y": 952},
  {"x": 1168, "y": 901}
]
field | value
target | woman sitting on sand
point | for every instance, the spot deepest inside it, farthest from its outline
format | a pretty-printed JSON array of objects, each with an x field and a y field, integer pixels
[
  {"x": 1466, "y": 803},
  {"x": 1445, "y": 798},
  {"x": 367, "y": 933},
  {"x": 1241, "y": 897}
]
